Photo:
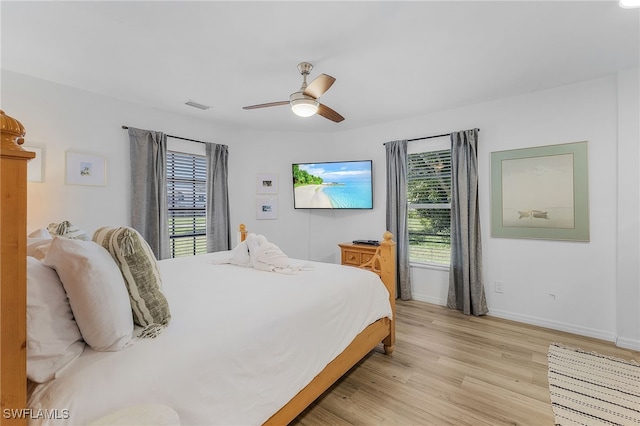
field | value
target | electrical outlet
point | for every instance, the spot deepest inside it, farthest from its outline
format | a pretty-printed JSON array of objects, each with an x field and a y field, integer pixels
[{"x": 498, "y": 286}]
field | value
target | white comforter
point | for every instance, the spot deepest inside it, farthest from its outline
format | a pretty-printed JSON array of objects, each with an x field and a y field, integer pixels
[{"x": 241, "y": 344}]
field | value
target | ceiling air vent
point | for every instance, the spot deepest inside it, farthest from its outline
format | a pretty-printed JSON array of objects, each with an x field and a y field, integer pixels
[{"x": 197, "y": 105}]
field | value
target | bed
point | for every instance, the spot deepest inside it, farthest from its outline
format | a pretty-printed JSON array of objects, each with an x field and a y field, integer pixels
[{"x": 263, "y": 360}]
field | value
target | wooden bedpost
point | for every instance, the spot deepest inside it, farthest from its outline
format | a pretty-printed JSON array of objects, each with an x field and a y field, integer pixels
[
  {"x": 13, "y": 271},
  {"x": 388, "y": 275},
  {"x": 243, "y": 232}
]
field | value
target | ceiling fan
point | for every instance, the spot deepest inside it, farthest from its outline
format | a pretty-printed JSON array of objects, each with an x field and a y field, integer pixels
[{"x": 304, "y": 102}]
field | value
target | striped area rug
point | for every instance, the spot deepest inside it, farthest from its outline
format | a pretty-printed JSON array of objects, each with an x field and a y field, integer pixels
[{"x": 587, "y": 388}]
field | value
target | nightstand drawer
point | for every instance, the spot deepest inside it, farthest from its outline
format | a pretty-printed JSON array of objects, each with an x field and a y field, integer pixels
[
  {"x": 356, "y": 254},
  {"x": 351, "y": 257},
  {"x": 365, "y": 257}
]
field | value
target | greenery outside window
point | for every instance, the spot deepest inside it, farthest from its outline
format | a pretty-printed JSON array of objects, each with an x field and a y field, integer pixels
[
  {"x": 187, "y": 201},
  {"x": 429, "y": 207}
]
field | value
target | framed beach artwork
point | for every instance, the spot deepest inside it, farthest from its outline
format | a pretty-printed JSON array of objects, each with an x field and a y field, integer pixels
[
  {"x": 541, "y": 193},
  {"x": 266, "y": 209},
  {"x": 267, "y": 183},
  {"x": 85, "y": 169}
]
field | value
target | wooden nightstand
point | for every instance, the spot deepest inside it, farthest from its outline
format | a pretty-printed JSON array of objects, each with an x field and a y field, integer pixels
[{"x": 357, "y": 254}]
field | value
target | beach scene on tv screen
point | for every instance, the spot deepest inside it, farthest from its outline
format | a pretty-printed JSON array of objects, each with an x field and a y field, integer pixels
[{"x": 339, "y": 185}]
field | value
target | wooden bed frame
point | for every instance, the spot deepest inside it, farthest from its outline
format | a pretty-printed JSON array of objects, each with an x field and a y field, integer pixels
[
  {"x": 13, "y": 294},
  {"x": 383, "y": 263}
]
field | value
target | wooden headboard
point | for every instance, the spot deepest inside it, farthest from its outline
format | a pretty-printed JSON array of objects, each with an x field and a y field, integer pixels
[{"x": 13, "y": 270}]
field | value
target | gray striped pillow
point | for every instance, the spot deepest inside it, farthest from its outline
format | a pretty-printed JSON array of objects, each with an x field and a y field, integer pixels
[
  {"x": 139, "y": 268},
  {"x": 67, "y": 230}
]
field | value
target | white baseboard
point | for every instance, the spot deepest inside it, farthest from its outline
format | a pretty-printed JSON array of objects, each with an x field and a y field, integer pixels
[
  {"x": 555, "y": 325},
  {"x": 542, "y": 322},
  {"x": 628, "y": 343},
  {"x": 428, "y": 299}
]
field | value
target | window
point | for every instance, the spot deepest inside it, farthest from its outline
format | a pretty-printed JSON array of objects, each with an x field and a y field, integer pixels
[
  {"x": 187, "y": 201},
  {"x": 429, "y": 209}
]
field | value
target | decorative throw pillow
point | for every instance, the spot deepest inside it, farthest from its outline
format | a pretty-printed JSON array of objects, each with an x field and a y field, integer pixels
[
  {"x": 141, "y": 274},
  {"x": 67, "y": 230},
  {"x": 53, "y": 337},
  {"x": 96, "y": 291}
]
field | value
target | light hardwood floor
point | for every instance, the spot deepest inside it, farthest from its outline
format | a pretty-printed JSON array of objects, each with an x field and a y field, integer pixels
[{"x": 451, "y": 369}]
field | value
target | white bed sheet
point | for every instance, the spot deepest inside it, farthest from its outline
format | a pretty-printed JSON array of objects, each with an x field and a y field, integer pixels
[{"x": 233, "y": 354}]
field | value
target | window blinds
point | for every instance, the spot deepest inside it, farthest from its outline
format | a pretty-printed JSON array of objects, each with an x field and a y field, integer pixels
[
  {"x": 186, "y": 199},
  {"x": 429, "y": 214}
]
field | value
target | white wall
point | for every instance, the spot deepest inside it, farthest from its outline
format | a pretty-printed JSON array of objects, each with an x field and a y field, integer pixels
[
  {"x": 588, "y": 288},
  {"x": 310, "y": 234},
  {"x": 564, "y": 285},
  {"x": 572, "y": 286},
  {"x": 59, "y": 118},
  {"x": 628, "y": 248}
]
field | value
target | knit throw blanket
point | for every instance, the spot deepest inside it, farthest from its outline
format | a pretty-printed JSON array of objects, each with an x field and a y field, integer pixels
[{"x": 587, "y": 388}]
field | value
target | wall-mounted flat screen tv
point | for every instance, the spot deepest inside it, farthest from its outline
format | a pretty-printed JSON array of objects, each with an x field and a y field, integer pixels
[{"x": 333, "y": 185}]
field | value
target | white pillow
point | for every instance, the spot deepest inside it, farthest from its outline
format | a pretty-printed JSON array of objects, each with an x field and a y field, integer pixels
[
  {"x": 42, "y": 233},
  {"x": 53, "y": 337},
  {"x": 38, "y": 247},
  {"x": 96, "y": 291}
]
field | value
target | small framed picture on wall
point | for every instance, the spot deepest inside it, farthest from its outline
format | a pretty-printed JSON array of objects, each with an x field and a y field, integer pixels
[
  {"x": 85, "y": 169},
  {"x": 266, "y": 209},
  {"x": 267, "y": 183}
]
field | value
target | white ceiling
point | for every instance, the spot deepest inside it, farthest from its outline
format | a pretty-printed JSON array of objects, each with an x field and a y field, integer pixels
[{"x": 390, "y": 59}]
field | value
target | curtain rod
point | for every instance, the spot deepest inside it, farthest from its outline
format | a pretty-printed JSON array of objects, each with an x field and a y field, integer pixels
[
  {"x": 431, "y": 137},
  {"x": 428, "y": 137},
  {"x": 175, "y": 137}
]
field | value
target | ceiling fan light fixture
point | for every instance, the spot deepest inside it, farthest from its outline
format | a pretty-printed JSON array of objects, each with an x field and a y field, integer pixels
[
  {"x": 628, "y": 4},
  {"x": 304, "y": 102},
  {"x": 303, "y": 106}
]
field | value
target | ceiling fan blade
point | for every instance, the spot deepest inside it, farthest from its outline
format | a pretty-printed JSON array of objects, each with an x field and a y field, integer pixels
[
  {"x": 317, "y": 87},
  {"x": 328, "y": 113},
  {"x": 270, "y": 104}
]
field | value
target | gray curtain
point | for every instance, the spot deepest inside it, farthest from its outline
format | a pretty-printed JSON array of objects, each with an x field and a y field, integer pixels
[
  {"x": 397, "y": 212},
  {"x": 466, "y": 288},
  {"x": 218, "y": 225},
  {"x": 149, "y": 216}
]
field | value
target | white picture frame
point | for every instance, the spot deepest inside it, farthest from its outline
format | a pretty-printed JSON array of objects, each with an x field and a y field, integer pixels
[
  {"x": 266, "y": 208},
  {"x": 35, "y": 166},
  {"x": 85, "y": 169},
  {"x": 267, "y": 183}
]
